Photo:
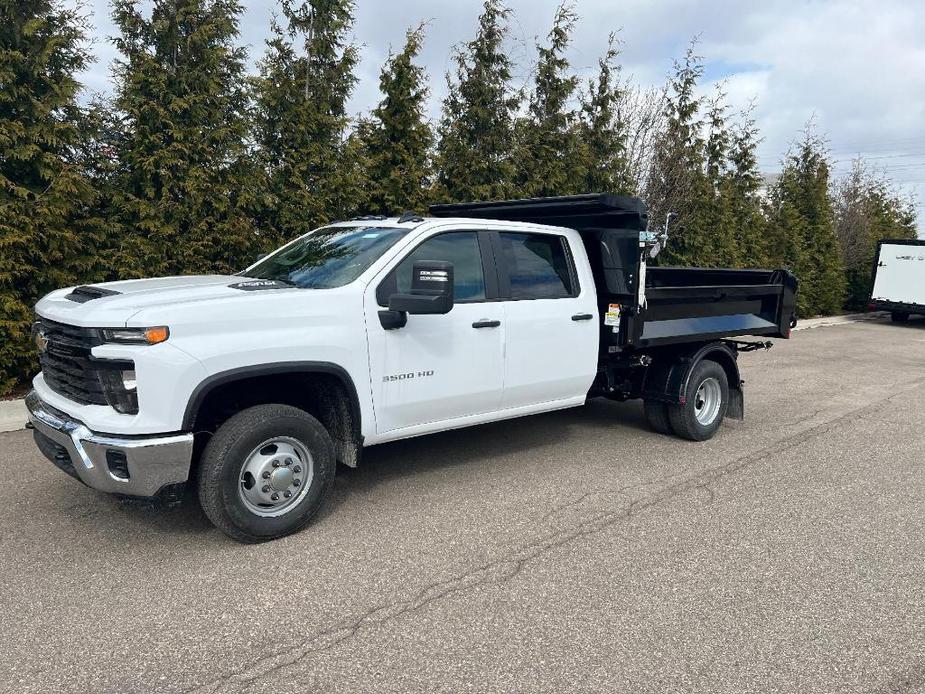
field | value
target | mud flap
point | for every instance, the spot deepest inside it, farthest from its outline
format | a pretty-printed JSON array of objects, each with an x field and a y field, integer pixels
[{"x": 736, "y": 409}]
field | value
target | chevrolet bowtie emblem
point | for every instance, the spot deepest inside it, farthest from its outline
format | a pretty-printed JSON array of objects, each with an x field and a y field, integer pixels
[{"x": 41, "y": 341}]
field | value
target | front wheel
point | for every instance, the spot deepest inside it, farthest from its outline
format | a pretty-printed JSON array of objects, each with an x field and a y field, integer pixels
[
  {"x": 705, "y": 404},
  {"x": 265, "y": 472}
]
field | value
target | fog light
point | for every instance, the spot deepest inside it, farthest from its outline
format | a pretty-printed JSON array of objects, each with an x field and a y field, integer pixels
[
  {"x": 121, "y": 390},
  {"x": 117, "y": 463}
]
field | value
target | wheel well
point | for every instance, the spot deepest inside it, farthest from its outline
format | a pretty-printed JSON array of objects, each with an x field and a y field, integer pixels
[
  {"x": 666, "y": 379},
  {"x": 324, "y": 395},
  {"x": 728, "y": 362}
]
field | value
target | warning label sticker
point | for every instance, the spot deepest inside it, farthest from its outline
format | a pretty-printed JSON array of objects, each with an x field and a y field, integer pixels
[{"x": 612, "y": 317}]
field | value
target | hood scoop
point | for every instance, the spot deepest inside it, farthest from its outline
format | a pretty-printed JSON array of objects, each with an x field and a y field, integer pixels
[
  {"x": 258, "y": 284},
  {"x": 86, "y": 293}
]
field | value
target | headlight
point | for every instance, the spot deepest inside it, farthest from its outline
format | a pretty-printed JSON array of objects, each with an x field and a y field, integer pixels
[
  {"x": 121, "y": 389},
  {"x": 137, "y": 336}
]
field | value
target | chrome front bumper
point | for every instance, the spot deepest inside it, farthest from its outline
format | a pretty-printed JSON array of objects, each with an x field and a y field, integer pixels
[{"x": 119, "y": 465}]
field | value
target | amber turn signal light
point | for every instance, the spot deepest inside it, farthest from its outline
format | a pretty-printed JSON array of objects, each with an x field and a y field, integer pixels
[{"x": 155, "y": 335}]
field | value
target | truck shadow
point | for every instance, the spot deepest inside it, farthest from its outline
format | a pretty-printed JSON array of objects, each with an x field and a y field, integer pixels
[
  {"x": 914, "y": 323},
  {"x": 498, "y": 443},
  {"x": 492, "y": 443}
]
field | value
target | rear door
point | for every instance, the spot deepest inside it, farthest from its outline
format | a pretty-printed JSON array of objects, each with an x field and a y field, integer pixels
[
  {"x": 551, "y": 332},
  {"x": 438, "y": 367},
  {"x": 900, "y": 273}
]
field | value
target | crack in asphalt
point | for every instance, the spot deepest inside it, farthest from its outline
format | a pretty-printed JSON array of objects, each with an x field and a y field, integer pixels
[{"x": 507, "y": 567}]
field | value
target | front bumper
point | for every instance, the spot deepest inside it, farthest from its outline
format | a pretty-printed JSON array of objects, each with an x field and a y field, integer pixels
[{"x": 141, "y": 466}]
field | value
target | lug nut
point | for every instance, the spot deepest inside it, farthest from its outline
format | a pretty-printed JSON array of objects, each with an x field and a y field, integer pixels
[
  {"x": 287, "y": 494},
  {"x": 296, "y": 482},
  {"x": 266, "y": 474},
  {"x": 297, "y": 469},
  {"x": 275, "y": 463},
  {"x": 288, "y": 461},
  {"x": 266, "y": 488},
  {"x": 275, "y": 497}
]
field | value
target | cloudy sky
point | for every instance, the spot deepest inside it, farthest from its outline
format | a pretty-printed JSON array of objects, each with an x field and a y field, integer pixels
[{"x": 858, "y": 66}]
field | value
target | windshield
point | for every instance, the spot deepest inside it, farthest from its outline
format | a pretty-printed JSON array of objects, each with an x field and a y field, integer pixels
[{"x": 329, "y": 257}]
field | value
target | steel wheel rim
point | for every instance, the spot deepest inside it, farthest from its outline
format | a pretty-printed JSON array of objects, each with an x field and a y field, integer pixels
[
  {"x": 275, "y": 476},
  {"x": 707, "y": 401}
]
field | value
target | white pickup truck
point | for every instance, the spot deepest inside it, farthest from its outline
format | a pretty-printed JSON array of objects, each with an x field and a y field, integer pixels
[{"x": 254, "y": 386}]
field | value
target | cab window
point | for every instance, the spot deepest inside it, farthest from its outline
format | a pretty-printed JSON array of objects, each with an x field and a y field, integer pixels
[
  {"x": 461, "y": 248},
  {"x": 537, "y": 266}
]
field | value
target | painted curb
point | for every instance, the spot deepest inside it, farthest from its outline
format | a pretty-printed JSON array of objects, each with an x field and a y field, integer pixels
[
  {"x": 838, "y": 320},
  {"x": 13, "y": 415}
]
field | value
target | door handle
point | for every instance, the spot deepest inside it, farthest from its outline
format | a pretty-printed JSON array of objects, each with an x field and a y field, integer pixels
[
  {"x": 486, "y": 324},
  {"x": 582, "y": 316}
]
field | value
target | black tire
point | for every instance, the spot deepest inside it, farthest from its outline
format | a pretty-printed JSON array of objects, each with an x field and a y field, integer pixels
[
  {"x": 218, "y": 476},
  {"x": 899, "y": 316},
  {"x": 683, "y": 418},
  {"x": 657, "y": 416}
]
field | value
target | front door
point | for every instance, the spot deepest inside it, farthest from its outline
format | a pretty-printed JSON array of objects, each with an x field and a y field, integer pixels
[{"x": 438, "y": 367}]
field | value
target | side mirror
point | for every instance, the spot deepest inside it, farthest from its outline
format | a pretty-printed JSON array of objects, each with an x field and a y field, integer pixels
[
  {"x": 261, "y": 256},
  {"x": 431, "y": 289}
]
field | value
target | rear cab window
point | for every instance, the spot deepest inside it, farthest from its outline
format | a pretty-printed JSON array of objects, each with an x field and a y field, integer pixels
[{"x": 536, "y": 266}]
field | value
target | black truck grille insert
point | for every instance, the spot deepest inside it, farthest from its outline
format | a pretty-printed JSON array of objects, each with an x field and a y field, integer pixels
[{"x": 66, "y": 362}]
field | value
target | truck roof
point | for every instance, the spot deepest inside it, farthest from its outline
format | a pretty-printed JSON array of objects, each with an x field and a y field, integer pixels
[{"x": 428, "y": 219}]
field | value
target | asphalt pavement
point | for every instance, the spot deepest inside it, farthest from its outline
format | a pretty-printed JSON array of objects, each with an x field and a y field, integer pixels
[{"x": 568, "y": 552}]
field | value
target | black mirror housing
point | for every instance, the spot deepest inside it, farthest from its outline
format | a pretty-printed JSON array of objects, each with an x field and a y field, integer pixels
[
  {"x": 393, "y": 320},
  {"x": 431, "y": 289}
]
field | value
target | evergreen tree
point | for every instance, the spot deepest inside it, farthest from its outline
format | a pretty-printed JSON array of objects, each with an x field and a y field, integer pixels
[
  {"x": 803, "y": 227},
  {"x": 397, "y": 139},
  {"x": 550, "y": 156},
  {"x": 718, "y": 137},
  {"x": 867, "y": 210},
  {"x": 603, "y": 130},
  {"x": 741, "y": 187},
  {"x": 305, "y": 80},
  {"x": 47, "y": 239},
  {"x": 181, "y": 190},
  {"x": 677, "y": 181},
  {"x": 476, "y": 135},
  {"x": 714, "y": 209}
]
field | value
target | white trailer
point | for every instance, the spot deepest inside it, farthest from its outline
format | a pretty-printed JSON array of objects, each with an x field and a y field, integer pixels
[{"x": 899, "y": 278}]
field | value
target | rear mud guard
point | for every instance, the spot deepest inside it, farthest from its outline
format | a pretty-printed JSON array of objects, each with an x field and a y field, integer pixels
[{"x": 667, "y": 378}]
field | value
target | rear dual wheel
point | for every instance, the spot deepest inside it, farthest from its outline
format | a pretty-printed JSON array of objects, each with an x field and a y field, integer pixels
[{"x": 705, "y": 403}]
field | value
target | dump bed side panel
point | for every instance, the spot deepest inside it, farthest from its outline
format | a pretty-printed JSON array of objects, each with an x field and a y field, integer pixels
[{"x": 698, "y": 304}]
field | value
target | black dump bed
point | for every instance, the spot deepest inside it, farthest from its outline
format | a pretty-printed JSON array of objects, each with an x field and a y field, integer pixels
[{"x": 677, "y": 304}]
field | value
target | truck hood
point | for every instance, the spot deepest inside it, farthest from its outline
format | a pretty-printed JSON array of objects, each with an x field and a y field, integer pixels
[{"x": 112, "y": 304}]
